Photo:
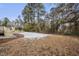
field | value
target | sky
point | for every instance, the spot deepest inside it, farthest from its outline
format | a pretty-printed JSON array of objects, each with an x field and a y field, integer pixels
[{"x": 12, "y": 10}]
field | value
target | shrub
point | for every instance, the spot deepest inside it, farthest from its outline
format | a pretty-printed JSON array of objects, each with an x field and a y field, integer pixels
[{"x": 29, "y": 27}]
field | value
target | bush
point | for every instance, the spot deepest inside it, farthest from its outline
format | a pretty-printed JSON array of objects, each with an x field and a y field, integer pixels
[{"x": 29, "y": 27}]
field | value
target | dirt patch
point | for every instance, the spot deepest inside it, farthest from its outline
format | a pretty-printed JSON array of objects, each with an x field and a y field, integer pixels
[{"x": 53, "y": 45}]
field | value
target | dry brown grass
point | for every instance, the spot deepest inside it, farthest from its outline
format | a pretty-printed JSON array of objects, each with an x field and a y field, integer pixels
[{"x": 52, "y": 45}]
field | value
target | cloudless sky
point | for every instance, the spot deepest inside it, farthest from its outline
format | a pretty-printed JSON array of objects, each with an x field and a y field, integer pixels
[{"x": 12, "y": 10}]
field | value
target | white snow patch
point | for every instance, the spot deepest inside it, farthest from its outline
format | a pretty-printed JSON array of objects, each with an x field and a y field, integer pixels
[{"x": 33, "y": 35}]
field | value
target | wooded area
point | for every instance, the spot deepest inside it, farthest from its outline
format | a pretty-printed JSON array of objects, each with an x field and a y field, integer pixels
[{"x": 62, "y": 19}]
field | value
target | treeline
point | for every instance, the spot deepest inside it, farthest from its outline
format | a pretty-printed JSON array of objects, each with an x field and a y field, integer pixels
[
  {"x": 61, "y": 19},
  {"x": 64, "y": 18}
]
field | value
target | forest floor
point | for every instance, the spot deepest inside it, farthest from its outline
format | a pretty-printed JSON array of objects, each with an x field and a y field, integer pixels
[{"x": 59, "y": 45}]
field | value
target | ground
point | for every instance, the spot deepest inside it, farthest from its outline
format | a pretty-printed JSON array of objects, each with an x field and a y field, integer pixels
[{"x": 58, "y": 45}]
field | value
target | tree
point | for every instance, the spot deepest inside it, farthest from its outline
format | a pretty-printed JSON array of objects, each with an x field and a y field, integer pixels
[
  {"x": 5, "y": 21},
  {"x": 33, "y": 12},
  {"x": 28, "y": 13},
  {"x": 39, "y": 13},
  {"x": 39, "y": 10}
]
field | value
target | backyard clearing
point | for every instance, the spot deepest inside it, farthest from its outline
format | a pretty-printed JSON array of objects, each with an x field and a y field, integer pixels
[{"x": 52, "y": 45}]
